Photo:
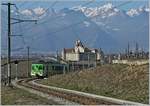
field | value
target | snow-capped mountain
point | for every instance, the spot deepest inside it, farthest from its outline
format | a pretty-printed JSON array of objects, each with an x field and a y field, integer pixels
[
  {"x": 36, "y": 11},
  {"x": 108, "y": 10},
  {"x": 103, "y": 27},
  {"x": 136, "y": 12},
  {"x": 120, "y": 24},
  {"x": 51, "y": 33},
  {"x": 105, "y": 10}
]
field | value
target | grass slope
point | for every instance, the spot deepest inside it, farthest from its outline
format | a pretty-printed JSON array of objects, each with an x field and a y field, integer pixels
[{"x": 118, "y": 81}]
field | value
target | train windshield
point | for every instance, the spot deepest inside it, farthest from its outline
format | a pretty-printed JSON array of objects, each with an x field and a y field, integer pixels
[{"x": 37, "y": 69}]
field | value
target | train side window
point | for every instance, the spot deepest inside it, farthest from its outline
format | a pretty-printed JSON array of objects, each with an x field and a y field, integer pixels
[
  {"x": 33, "y": 68},
  {"x": 40, "y": 67}
]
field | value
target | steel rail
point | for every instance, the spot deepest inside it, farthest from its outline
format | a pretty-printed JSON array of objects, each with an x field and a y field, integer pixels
[
  {"x": 75, "y": 96},
  {"x": 98, "y": 97}
]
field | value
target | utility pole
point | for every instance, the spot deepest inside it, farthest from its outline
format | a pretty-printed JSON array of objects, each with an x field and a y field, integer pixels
[
  {"x": 126, "y": 53},
  {"x": 16, "y": 63},
  {"x": 137, "y": 50},
  {"x": 142, "y": 53},
  {"x": 9, "y": 43},
  {"x": 28, "y": 53},
  {"x": 128, "y": 50},
  {"x": 57, "y": 56},
  {"x": 95, "y": 55},
  {"x": 88, "y": 60},
  {"x": 9, "y": 39}
]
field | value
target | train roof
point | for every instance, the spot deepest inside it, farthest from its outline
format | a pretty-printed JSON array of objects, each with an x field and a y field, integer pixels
[{"x": 47, "y": 62}]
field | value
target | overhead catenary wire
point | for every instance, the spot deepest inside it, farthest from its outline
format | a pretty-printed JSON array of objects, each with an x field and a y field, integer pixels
[
  {"x": 19, "y": 12},
  {"x": 20, "y": 28},
  {"x": 56, "y": 17},
  {"x": 85, "y": 4},
  {"x": 78, "y": 23},
  {"x": 22, "y": 4},
  {"x": 14, "y": 50},
  {"x": 76, "y": 74},
  {"x": 59, "y": 16},
  {"x": 46, "y": 10},
  {"x": 51, "y": 6},
  {"x": 70, "y": 26}
]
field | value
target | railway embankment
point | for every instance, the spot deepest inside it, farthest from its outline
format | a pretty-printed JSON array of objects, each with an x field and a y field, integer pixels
[
  {"x": 53, "y": 100},
  {"x": 16, "y": 96},
  {"x": 116, "y": 81},
  {"x": 61, "y": 96}
]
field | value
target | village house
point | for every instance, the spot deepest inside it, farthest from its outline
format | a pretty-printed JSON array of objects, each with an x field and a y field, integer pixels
[{"x": 81, "y": 55}]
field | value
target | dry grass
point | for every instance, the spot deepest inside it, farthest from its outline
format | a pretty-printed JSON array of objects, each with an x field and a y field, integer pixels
[
  {"x": 15, "y": 96},
  {"x": 119, "y": 81}
]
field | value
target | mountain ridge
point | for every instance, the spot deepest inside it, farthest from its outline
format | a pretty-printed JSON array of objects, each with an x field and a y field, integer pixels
[{"x": 109, "y": 33}]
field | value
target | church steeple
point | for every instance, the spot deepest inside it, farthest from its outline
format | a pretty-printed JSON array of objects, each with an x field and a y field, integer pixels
[
  {"x": 79, "y": 43},
  {"x": 79, "y": 46}
]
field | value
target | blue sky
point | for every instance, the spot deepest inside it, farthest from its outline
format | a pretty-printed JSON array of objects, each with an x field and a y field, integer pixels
[{"x": 71, "y": 3}]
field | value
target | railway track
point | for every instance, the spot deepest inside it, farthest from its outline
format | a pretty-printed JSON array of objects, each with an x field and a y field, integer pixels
[{"x": 76, "y": 97}]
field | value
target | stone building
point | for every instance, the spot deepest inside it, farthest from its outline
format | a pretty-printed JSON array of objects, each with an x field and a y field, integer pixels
[{"x": 82, "y": 55}]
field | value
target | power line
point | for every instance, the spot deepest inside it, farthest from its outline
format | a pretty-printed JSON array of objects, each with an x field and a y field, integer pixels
[
  {"x": 18, "y": 12},
  {"x": 70, "y": 26},
  {"x": 20, "y": 26},
  {"x": 87, "y": 19},
  {"x": 22, "y": 4},
  {"x": 16, "y": 49},
  {"x": 9, "y": 39},
  {"x": 9, "y": 42},
  {"x": 51, "y": 6},
  {"x": 47, "y": 9},
  {"x": 54, "y": 18},
  {"x": 28, "y": 53},
  {"x": 76, "y": 74},
  {"x": 75, "y": 33}
]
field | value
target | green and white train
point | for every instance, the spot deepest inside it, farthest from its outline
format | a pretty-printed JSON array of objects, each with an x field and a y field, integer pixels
[{"x": 45, "y": 69}]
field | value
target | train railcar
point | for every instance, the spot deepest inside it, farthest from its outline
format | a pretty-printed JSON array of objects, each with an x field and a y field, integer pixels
[
  {"x": 38, "y": 70},
  {"x": 46, "y": 69}
]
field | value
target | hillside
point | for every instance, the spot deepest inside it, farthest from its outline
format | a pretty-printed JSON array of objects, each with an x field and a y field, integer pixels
[{"x": 118, "y": 81}]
